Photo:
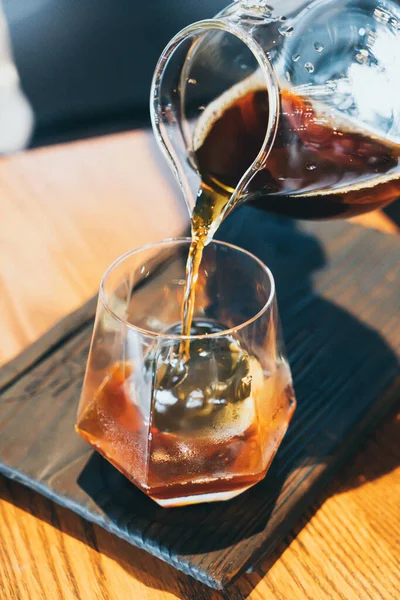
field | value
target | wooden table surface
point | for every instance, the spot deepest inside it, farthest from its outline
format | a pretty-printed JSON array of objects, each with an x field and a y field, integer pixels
[{"x": 66, "y": 213}]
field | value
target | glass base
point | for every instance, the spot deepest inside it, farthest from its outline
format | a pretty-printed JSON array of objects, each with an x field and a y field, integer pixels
[{"x": 200, "y": 498}]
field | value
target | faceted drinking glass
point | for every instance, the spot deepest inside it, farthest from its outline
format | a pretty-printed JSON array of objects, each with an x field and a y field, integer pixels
[{"x": 208, "y": 431}]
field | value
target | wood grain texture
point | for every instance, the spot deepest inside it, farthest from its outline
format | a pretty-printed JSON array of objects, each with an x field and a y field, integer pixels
[
  {"x": 345, "y": 547},
  {"x": 343, "y": 343},
  {"x": 27, "y": 359},
  {"x": 66, "y": 214}
]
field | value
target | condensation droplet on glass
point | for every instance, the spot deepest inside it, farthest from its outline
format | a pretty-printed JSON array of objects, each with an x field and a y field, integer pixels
[
  {"x": 371, "y": 39},
  {"x": 296, "y": 57},
  {"x": 168, "y": 113},
  {"x": 309, "y": 67},
  {"x": 191, "y": 80},
  {"x": 319, "y": 47},
  {"x": 282, "y": 18},
  {"x": 346, "y": 103},
  {"x": 286, "y": 30},
  {"x": 287, "y": 75},
  {"x": 255, "y": 4},
  {"x": 362, "y": 56},
  {"x": 247, "y": 379},
  {"x": 395, "y": 23},
  {"x": 361, "y": 31},
  {"x": 381, "y": 15},
  {"x": 310, "y": 166}
]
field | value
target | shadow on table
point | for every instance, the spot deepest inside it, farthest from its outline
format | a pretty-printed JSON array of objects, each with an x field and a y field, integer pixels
[
  {"x": 293, "y": 257},
  {"x": 378, "y": 455}
]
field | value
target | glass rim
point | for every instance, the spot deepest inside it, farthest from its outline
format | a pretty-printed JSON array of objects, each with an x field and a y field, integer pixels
[{"x": 178, "y": 241}]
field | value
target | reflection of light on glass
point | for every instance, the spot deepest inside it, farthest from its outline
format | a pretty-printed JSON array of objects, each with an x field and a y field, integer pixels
[
  {"x": 381, "y": 15},
  {"x": 376, "y": 87}
]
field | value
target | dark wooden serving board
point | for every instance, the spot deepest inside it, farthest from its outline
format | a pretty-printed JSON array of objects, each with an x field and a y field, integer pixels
[{"x": 339, "y": 295}]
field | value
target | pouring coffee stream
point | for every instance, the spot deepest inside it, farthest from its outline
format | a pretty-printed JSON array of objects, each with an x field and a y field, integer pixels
[
  {"x": 339, "y": 154},
  {"x": 298, "y": 112}
]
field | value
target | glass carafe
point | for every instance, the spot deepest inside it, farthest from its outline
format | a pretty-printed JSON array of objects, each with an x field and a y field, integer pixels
[{"x": 295, "y": 106}]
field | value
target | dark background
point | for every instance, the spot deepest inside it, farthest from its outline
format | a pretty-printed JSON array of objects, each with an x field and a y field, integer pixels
[{"x": 86, "y": 65}]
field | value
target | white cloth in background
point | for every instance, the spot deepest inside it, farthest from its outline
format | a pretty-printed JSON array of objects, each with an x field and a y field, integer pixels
[{"x": 16, "y": 115}]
